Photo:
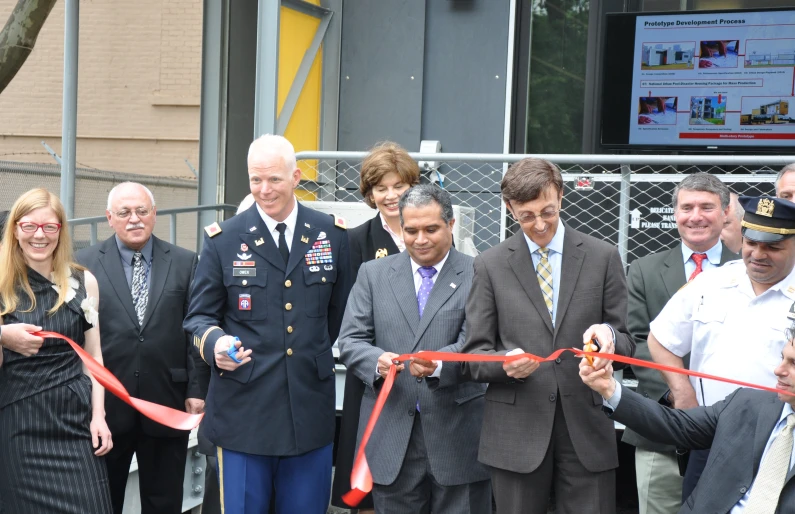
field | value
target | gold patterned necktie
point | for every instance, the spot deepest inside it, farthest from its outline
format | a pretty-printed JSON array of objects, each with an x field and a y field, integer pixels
[
  {"x": 544, "y": 275},
  {"x": 769, "y": 481}
]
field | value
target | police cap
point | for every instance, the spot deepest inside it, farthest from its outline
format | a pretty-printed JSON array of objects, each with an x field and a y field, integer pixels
[{"x": 767, "y": 219}]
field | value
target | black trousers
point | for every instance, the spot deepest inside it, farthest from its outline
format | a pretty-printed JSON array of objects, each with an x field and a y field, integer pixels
[{"x": 161, "y": 469}]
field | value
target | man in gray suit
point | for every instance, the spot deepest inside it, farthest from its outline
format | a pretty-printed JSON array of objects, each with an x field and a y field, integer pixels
[
  {"x": 545, "y": 288},
  {"x": 700, "y": 203},
  {"x": 750, "y": 467},
  {"x": 423, "y": 451}
]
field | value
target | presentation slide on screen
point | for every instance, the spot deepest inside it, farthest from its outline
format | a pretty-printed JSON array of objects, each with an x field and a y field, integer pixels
[{"x": 714, "y": 79}]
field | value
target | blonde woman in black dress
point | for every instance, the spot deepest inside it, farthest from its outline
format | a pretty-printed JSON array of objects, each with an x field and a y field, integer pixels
[{"x": 52, "y": 420}]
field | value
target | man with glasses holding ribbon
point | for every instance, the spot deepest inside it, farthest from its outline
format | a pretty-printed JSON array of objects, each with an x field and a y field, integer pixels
[
  {"x": 547, "y": 287},
  {"x": 144, "y": 284}
]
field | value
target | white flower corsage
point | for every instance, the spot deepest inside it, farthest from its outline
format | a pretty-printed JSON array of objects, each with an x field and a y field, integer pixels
[
  {"x": 73, "y": 285},
  {"x": 89, "y": 306}
]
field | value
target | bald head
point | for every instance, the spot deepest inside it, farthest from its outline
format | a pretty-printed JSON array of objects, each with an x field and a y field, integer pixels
[{"x": 268, "y": 147}]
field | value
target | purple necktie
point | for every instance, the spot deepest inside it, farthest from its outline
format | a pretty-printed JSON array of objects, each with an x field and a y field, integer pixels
[{"x": 427, "y": 273}]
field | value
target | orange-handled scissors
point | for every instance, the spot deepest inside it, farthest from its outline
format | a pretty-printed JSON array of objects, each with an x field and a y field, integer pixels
[{"x": 592, "y": 346}]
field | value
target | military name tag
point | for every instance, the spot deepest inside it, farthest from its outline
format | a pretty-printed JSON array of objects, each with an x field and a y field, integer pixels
[
  {"x": 244, "y": 272},
  {"x": 243, "y": 264}
]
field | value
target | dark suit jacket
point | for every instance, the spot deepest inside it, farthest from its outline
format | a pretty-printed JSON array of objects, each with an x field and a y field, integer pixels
[
  {"x": 367, "y": 239},
  {"x": 282, "y": 402},
  {"x": 153, "y": 361},
  {"x": 382, "y": 315},
  {"x": 652, "y": 281},
  {"x": 736, "y": 429},
  {"x": 506, "y": 310}
]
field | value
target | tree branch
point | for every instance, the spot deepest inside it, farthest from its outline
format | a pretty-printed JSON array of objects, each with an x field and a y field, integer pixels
[{"x": 19, "y": 35}]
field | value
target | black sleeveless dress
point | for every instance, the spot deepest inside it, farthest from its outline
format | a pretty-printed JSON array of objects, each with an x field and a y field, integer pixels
[{"x": 47, "y": 463}]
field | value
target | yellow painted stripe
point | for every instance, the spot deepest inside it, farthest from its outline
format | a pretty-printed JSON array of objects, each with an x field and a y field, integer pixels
[{"x": 220, "y": 456}]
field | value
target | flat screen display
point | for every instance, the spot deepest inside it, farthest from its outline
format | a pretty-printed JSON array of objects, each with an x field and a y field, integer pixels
[{"x": 707, "y": 79}]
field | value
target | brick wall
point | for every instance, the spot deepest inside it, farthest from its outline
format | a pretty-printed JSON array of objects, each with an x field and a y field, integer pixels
[{"x": 138, "y": 88}]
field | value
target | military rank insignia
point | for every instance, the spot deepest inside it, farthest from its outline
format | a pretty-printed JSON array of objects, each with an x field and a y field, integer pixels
[
  {"x": 320, "y": 253},
  {"x": 213, "y": 229}
]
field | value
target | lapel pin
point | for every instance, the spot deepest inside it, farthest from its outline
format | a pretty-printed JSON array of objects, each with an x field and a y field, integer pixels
[
  {"x": 259, "y": 241},
  {"x": 307, "y": 225},
  {"x": 453, "y": 285},
  {"x": 243, "y": 247},
  {"x": 304, "y": 239},
  {"x": 252, "y": 229},
  {"x": 321, "y": 236},
  {"x": 791, "y": 289},
  {"x": 244, "y": 256}
]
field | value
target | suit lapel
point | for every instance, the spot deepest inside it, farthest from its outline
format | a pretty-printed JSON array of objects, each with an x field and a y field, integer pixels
[
  {"x": 110, "y": 260},
  {"x": 401, "y": 281},
  {"x": 768, "y": 417},
  {"x": 303, "y": 239},
  {"x": 260, "y": 240},
  {"x": 161, "y": 264},
  {"x": 727, "y": 255},
  {"x": 522, "y": 265},
  {"x": 441, "y": 292},
  {"x": 573, "y": 257},
  {"x": 673, "y": 270}
]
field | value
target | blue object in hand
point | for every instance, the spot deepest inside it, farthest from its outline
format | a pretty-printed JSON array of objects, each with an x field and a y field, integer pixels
[{"x": 232, "y": 351}]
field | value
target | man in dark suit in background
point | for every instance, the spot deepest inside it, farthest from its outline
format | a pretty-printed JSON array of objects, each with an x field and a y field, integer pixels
[
  {"x": 423, "y": 452},
  {"x": 144, "y": 286},
  {"x": 750, "y": 467},
  {"x": 546, "y": 287},
  {"x": 700, "y": 203}
]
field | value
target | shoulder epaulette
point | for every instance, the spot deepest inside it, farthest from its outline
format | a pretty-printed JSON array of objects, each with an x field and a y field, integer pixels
[{"x": 213, "y": 229}]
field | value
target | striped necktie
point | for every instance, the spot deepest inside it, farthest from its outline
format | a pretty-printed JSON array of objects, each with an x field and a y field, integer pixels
[
  {"x": 769, "y": 480},
  {"x": 544, "y": 275}
]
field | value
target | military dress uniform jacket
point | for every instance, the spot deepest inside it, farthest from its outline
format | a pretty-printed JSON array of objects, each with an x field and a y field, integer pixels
[{"x": 282, "y": 402}]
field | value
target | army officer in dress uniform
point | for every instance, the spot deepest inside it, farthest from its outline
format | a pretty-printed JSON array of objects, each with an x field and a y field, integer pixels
[{"x": 271, "y": 284}]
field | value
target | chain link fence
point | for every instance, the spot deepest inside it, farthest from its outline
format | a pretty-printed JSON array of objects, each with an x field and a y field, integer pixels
[
  {"x": 625, "y": 200},
  {"x": 91, "y": 193}
]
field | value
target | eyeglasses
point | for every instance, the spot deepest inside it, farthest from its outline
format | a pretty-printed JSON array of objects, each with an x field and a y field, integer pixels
[
  {"x": 529, "y": 217},
  {"x": 47, "y": 228},
  {"x": 141, "y": 212}
]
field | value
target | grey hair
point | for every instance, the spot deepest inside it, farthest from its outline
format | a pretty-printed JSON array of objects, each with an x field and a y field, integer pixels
[
  {"x": 117, "y": 186},
  {"x": 786, "y": 169},
  {"x": 425, "y": 194},
  {"x": 738, "y": 209},
  {"x": 270, "y": 144},
  {"x": 703, "y": 182}
]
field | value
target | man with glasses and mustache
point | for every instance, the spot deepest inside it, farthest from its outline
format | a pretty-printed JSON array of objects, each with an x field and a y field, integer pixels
[
  {"x": 144, "y": 284},
  {"x": 547, "y": 287},
  {"x": 731, "y": 320}
]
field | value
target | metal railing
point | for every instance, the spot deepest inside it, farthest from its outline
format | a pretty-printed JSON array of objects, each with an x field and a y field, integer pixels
[
  {"x": 622, "y": 199},
  {"x": 94, "y": 221}
]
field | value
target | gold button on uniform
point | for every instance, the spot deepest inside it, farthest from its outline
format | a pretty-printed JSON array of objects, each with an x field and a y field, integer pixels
[
  {"x": 288, "y": 307},
  {"x": 323, "y": 279},
  {"x": 287, "y": 283},
  {"x": 289, "y": 351},
  {"x": 290, "y": 330},
  {"x": 245, "y": 282}
]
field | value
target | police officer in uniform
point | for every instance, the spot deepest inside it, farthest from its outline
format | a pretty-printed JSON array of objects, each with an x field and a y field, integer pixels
[
  {"x": 732, "y": 320},
  {"x": 267, "y": 304}
]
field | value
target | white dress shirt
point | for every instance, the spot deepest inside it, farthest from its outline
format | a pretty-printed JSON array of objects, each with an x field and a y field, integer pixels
[
  {"x": 717, "y": 317},
  {"x": 289, "y": 221},
  {"x": 712, "y": 260},
  {"x": 397, "y": 238}
]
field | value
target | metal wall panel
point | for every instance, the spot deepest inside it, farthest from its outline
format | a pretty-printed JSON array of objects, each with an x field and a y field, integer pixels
[{"x": 381, "y": 73}]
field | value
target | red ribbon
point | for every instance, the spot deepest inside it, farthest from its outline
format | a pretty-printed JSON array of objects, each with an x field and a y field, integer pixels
[
  {"x": 362, "y": 479},
  {"x": 164, "y": 415}
]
